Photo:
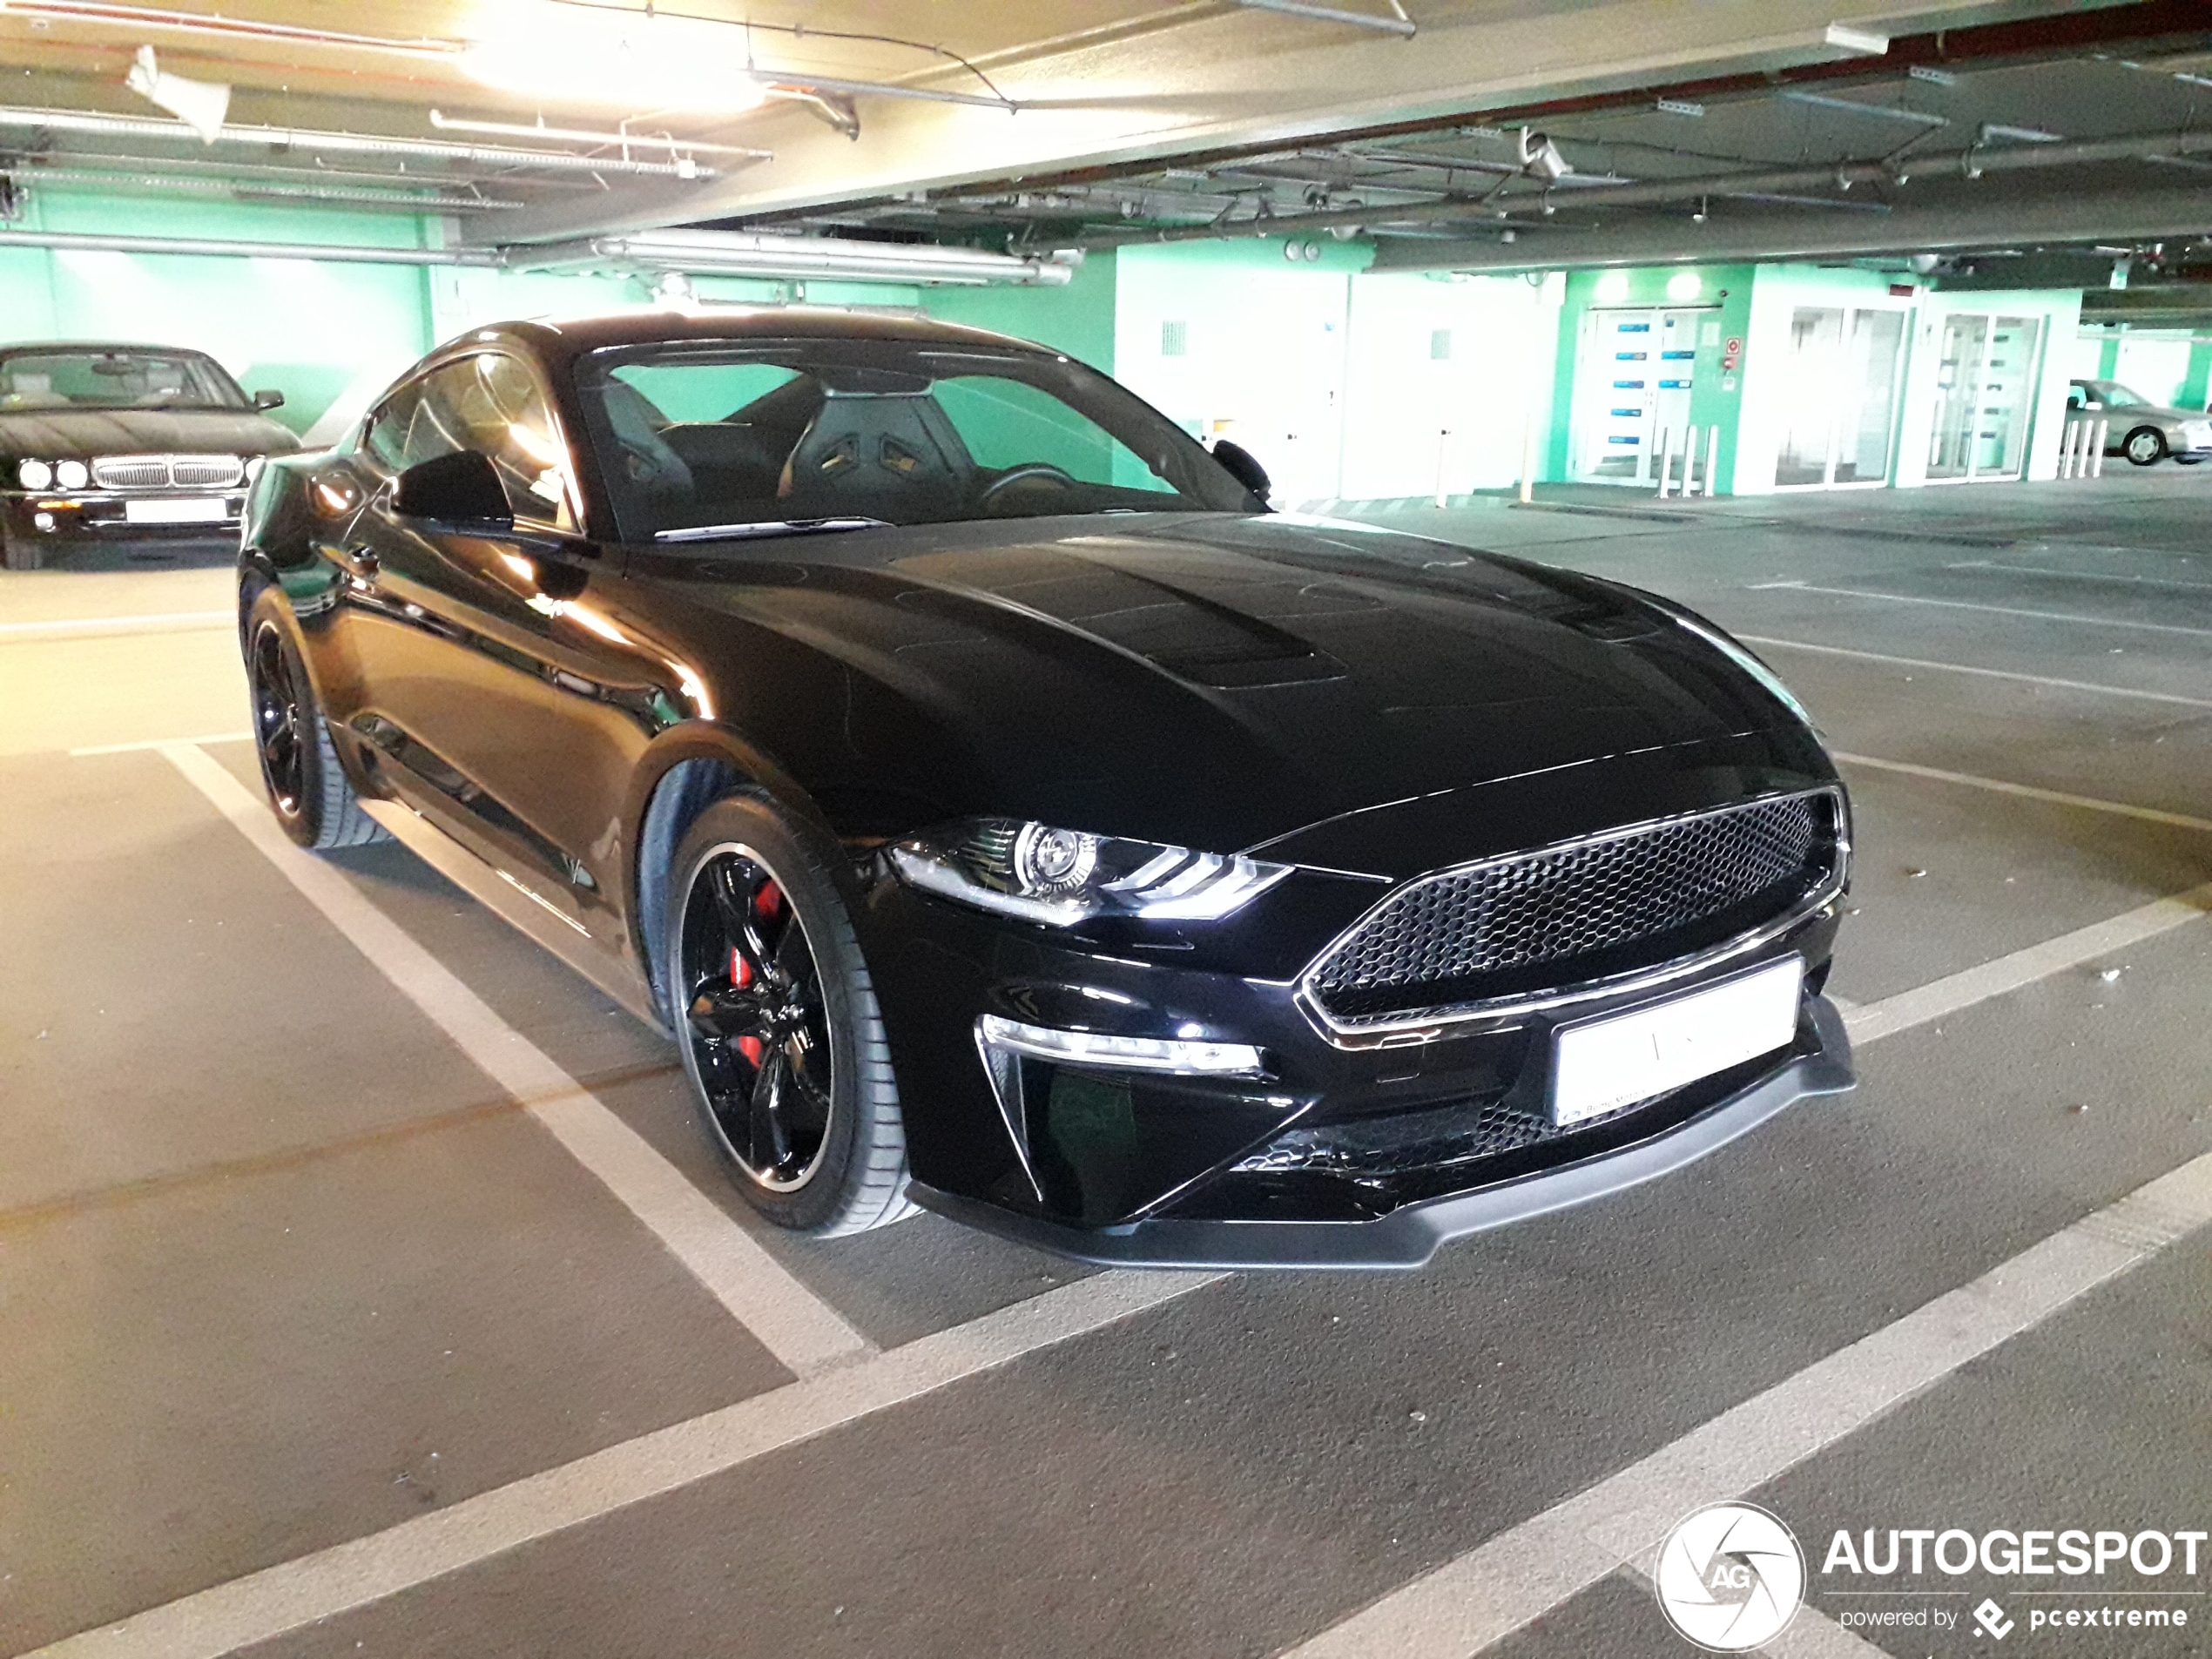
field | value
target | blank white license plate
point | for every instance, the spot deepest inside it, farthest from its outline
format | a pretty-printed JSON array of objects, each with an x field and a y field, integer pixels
[
  {"x": 1607, "y": 1064},
  {"x": 175, "y": 509}
]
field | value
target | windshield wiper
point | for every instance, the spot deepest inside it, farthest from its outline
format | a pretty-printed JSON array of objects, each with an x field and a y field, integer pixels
[{"x": 770, "y": 527}]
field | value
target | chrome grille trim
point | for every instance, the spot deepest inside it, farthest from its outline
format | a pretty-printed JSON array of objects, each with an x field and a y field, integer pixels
[
  {"x": 166, "y": 472},
  {"x": 1383, "y": 1027}
]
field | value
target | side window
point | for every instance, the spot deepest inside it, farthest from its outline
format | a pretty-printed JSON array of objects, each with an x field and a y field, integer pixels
[{"x": 491, "y": 404}]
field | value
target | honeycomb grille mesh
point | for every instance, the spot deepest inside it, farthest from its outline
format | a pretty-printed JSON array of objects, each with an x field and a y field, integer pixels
[{"x": 1436, "y": 942}]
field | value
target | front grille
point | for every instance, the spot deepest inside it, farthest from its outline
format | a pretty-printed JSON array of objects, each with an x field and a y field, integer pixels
[
  {"x": 1585, "y": 910},
  {"x": 202, "y": 472},
  {"x": 131, "y": 472},
  {"x": 160, "y": 472}
]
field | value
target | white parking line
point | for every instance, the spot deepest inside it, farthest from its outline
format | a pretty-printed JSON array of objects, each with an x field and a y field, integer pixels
[
  {"x": 1977, "y": 674},
  {"x": 87, "y": 627},
  {"x": 331, "y": 1582},
  {"x": 2026, "y": 792},
  {"x": 1948, "y": 995},
  {"x": 1524, "y": 1572},
  {"x": 801, "y": 1330},
  {"x": 2078, "y": 618},
  {"x": 161, "y": 743}
]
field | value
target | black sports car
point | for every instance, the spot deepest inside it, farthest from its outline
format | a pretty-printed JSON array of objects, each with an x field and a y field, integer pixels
[
  {"x": 102, "y": 444},
  {"x": 1006, "y": 813}
]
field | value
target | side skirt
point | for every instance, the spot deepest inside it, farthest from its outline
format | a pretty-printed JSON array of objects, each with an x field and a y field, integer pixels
[{"x": 508, "y": 898}]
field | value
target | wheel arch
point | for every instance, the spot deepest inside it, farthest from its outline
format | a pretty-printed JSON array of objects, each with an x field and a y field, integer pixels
[{"x": 688, "y": 770}]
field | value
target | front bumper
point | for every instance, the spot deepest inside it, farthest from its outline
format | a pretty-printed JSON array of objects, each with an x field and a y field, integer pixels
[
  {"x": 1340, "y": 1153},
  {"x": 66, "y": 518},
  {"x": 1409, "y": 1236}
]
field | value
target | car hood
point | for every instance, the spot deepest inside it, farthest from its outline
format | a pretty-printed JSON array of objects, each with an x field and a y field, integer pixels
[
  {"x": 53, "y": 435},
  {"x": 1216, "y": 681}
]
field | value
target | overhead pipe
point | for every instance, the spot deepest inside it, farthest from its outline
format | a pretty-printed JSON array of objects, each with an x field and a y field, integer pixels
[
  {"x": 1397, "y": 24},
  {"x": 136, "y": 126},
  {"x": 90, "y": 242},
  {"x": 748, "y": 253},
  {"x": 446, "y": 122},
  {"x": 335, "y": 195},
  {"x": 1971, "y": 162}
]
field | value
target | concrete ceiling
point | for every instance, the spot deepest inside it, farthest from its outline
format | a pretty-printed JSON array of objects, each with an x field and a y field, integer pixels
[{"x": 1820, "y": 128}]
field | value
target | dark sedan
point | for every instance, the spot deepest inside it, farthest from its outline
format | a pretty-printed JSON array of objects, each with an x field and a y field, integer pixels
[
  {"x": 1006, "y": 813},
  {"x": 105, "y": 444}
]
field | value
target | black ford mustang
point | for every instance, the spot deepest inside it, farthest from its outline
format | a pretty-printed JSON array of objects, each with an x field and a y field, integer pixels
[{"x": 1006, "y": 814}]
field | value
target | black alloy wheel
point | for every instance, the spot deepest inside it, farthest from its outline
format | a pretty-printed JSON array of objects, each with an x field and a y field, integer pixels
[
  {"x": 757, "y": 1021},
  {"x": 776, "y": 1016},
  {"x": 279, "y": 722}
]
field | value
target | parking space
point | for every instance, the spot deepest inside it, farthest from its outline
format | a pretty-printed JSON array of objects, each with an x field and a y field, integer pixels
[{"x": 323, "y": 1342}]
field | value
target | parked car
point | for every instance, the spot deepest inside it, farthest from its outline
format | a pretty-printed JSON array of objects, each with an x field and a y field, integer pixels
[
  {"x": 1004, "y": 812},
  {"x": 104, "y": 443},
  {"x": 2143, "y": 431}
]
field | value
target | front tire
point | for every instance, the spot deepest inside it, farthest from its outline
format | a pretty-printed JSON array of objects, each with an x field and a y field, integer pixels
[
  {"x": 306, "y": 787},
  {"x": 16, "y": 554},
  {"x": 777, "y": 1019},
  {"x": 2145, "y": 446}
]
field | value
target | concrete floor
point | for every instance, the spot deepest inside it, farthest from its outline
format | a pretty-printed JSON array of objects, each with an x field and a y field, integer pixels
[{"x": 314, "y": 1340}]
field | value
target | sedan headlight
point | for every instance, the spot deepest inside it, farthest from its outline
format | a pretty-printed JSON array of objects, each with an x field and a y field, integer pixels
[
  {"x": 1060, "y": 877},
  {"x": 71, "y": 474},
  {"x": 34, "y": 475}
]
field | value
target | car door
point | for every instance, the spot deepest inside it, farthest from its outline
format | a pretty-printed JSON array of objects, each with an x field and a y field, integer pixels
[{"x": 505, "y": 703}]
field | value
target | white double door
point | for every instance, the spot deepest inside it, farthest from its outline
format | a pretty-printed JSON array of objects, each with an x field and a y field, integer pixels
[{"x": 1632, "y": 383}]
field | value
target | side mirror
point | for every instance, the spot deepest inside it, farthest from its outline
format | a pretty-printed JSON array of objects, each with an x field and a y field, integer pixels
[
  {"x": 460, "y": 489},
  {"x": 1239, "y": 463},
  {"x": 266, "y": 400}
]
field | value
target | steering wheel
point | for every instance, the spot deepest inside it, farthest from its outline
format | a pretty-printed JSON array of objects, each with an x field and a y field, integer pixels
[{"x": 1021, "y": 473}]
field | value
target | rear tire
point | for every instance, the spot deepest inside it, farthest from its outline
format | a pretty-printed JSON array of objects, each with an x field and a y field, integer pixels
[
  {"x": 16, "y": 554},
  {"x": 307, "y": 788},
  {"x": 777, "y": 1019},
  {"x": 2145, "y": 446}
]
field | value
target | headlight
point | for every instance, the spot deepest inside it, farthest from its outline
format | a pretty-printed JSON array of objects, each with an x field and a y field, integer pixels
[
  {"x": 34, "y": 475},
  {"x": 1060, "y": 877},
  {"x": 71, "y": 474}
]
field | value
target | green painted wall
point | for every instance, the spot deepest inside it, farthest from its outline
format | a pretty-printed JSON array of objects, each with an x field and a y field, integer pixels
[
  {"x": 1077, "y": 317},
  {"x": 1716, "y": 396},
  {"x": 2197, "y": 387}
]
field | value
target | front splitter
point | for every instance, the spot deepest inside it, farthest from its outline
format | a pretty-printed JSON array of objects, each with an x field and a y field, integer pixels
[{"x": 1407, "y": 1238}]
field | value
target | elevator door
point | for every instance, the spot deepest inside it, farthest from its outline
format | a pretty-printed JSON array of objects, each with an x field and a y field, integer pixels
[{"x": 1634, "y": 379}]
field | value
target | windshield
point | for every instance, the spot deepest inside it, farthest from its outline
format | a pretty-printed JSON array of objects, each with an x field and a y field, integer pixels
[
  {"x": 115, "y": 379},
  {"x": 695, "y": 435}
]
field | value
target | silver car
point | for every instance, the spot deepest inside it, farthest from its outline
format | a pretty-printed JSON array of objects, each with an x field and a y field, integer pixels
[{"x": 2142, "y": 431}]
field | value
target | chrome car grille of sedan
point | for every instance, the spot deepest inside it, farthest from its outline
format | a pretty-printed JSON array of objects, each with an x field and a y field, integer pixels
[
  {"x": 162, "y": 472},
  {"x": 1556, "y": 916}
]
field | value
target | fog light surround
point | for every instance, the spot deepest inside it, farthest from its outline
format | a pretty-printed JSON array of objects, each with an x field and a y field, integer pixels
[{"x": 1178, "y": 1056}]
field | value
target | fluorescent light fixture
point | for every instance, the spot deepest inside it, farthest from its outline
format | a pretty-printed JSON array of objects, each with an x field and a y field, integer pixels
[
  {"x": 1612, "y": 287},
  {"x": 1180, "y": 1056},
  {"x": 2021, "y": 135},
  {"x": 1932, "y": 77},
  {"x": 1685, "y": 285},
  {"x": 1844, "y": 38},
  {"x": 628, "y": 60},
  {"x": 1680, "y": 106},
  {"x": 1884, "y": 112}
]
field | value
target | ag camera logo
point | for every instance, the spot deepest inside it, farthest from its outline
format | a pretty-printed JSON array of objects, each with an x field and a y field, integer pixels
[{"x": 1731, "y": 1577}]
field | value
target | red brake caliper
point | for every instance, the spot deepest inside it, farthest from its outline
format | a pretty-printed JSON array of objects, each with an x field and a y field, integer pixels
[{"x": 741, "y": 977}]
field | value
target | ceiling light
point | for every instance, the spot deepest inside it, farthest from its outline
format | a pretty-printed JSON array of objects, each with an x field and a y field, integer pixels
[
  {"x": 1612, "y": 287},
  {"x": 2023, "y": 135},
  {"x": 1844, "y": 38},
  {"x": 201, "y": 105},
  {"x": 1685, "y": 286},
  {"x": 1680, "y": 106},
  {"x": 1932, "y": 77},
  {"x": 628, "y": 60}
]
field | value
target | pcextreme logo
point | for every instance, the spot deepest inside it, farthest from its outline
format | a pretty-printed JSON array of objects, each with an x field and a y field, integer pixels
[{"x": 1730, "y": 1577}]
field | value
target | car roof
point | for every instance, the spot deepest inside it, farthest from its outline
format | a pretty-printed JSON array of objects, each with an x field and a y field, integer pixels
[
  {"x": 568, "y": 337},
  {"x": 46, "y": 347}
]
